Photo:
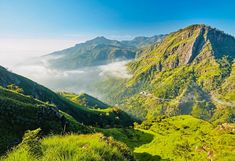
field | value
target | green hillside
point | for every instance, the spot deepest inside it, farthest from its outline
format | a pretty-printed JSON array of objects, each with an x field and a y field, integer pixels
[
  {"x": 19, "y": 113},
  {"x": 84, "y": 100},
  {"x": 181, "y": 95},
  {"x": 182, "y": 75},
  {"x": 70, "y": 148},
  {"x": 113, "y": 117},
  {"x": 188, "y": 138}
]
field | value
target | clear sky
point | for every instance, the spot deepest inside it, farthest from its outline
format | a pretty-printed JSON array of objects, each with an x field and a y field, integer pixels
[{"x": 41, "y": 26}]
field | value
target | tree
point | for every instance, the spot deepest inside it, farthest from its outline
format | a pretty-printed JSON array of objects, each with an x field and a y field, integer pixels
[{"x": 15, "y": 88}]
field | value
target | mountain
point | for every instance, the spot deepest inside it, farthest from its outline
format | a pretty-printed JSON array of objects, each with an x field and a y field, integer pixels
[
  {"x": 185, "y": 74},
  {"x": 142, "y": 41},
  {"x": 85, "y": 100},
  {"x": 98, "y": 51},
  {"x": 115, "y": 117},
  {"x": 181, "y": 88}
]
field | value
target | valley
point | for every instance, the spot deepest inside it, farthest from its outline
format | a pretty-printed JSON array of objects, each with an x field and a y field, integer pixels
[{"x": 165, "y": 97}]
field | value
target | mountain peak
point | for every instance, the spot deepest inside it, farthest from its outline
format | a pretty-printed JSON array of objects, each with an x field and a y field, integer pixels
[
  {"x": 191, "y": 45},
  {"x": 100, "y": 38},
  {"x": 198, "y": 26}
]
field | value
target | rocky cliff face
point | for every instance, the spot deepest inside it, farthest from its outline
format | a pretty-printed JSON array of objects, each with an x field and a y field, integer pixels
[
  {"x": 184, "y": 71},
  {"x": 186, "y": 46}
]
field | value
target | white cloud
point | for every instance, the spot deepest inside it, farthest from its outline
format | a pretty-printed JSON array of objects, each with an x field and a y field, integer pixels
[
  {"x": 16, "y": 50},
  {"x": 117, "y": 69}
]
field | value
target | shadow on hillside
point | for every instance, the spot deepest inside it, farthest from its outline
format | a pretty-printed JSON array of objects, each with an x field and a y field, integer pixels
[
  {"x": 131, "y": 137},
  {"x": 136, "y": 138},
  {"x": 148, "y": 157}
]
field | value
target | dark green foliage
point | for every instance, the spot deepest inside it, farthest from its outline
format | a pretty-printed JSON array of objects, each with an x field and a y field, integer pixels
[
  {"x": 80, "y": 113},
  {"x": 15, "y": 88},
  {"x": 19, "y": 113}
]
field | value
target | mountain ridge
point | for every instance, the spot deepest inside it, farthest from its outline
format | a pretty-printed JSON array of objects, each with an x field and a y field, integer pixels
[
  {"x": 199, "y": 56},
  {"x": 80, "y": 113},
  {"x": 98, "y": 51}
]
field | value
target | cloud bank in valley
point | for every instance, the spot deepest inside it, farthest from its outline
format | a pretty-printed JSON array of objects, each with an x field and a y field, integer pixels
[{"x": 80, "y": 80}]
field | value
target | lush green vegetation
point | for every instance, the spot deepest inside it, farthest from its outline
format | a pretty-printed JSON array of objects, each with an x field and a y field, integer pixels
[
  {"x": 84, "y": 100},
  {"x": 83, "y": 115},
  {"x": 73, "y": 147},
  {"x": 188, "y": 138},
  {"x": 19, "y": 113},
  {"x": 133, "y": 138},
  {"x": 182, "y": 90},
  {"x": 184, "y": 74}
]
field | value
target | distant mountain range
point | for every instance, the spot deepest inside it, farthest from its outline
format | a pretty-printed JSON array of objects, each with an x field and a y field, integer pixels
[{"x": 98, "y": 51}]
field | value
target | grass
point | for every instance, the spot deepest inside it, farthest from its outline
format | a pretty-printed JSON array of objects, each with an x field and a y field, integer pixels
[
  {"x": 133, "y": 138},
  {"x": 90, "y": 147},
  {"x": 187, "y": 138},
  {"x": 19, "y": 113}
]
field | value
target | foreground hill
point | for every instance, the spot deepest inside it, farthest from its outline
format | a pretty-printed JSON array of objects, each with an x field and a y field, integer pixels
[
  {"x": 114, "y": 117},
  {"x": 19, "y": 113},
  {"x": 186, "y": 73},
  {"x": 70, "y": 148},
  {"x": 98, "y": 51}
]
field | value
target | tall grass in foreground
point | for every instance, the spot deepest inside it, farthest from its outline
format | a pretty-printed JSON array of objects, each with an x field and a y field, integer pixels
[{"x": 91, "y": 147}]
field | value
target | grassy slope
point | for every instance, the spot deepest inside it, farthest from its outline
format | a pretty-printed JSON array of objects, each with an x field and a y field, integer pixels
[
  {"x": 70, "y": 148},
  {"x": 84, "y": 100},
  {"x": 19, "y": 113},
  {"x": 184, "y": 137},
  {"x": 178, "y": 138},
  {"x": 133, "y": 138},
  {"x": 81, "y": 114}
]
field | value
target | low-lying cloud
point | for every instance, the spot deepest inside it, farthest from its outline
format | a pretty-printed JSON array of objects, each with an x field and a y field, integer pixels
[
  {"x": 116, "y": 69},
  {"x": 79, "y": 80}
]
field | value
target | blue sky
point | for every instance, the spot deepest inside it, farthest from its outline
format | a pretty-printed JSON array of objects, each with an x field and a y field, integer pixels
[
  {"x": 37, "y": 27},
  {"x": 45, "y": 18}
]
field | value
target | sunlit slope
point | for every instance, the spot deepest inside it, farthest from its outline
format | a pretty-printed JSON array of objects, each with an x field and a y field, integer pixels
[
  {"x": 70, "y": 148},
  {"x": 84, "y": 100},
  {"x": 187, "y": 138},
  {"x": 182, "y": 75}
]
